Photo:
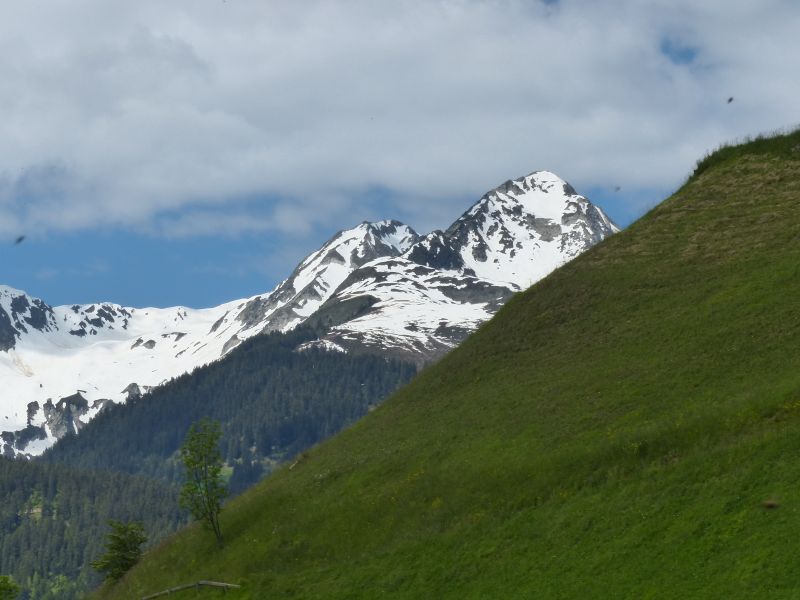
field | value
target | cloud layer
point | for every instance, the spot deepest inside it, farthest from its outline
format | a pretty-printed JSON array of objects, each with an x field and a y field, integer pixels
[{"x": 200, "y": 117}]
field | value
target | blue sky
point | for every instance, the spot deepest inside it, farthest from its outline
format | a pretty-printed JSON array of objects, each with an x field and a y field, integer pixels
[
  {"x": 194, "y": 152},
  {"x": 136, "y": 269}
]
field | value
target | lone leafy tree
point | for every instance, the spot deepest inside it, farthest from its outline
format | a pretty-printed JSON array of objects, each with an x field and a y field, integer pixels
[
  {"x": 203, "y": 488},
  {"x": 123, "y": 549}
]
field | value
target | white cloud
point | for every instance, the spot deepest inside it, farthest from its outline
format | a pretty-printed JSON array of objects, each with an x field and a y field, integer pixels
[{"x": 164, "y": 116}]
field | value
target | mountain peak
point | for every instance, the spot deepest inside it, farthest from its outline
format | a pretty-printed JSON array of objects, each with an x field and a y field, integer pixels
[
  {"x": 355, "y": 247},
  {"x": 542, "y": 194},
  {"x": 382, "y": 238},
  {"x": 319, "y": 275},
  {"x": 517, "y": 232},
  {"x": 10, "y": 292},
  {"x": 394, "y": 235},
  {"x": 21, "y": 313}
]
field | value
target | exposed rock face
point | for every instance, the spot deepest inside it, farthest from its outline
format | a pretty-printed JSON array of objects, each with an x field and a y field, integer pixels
[
  {"x": 65, "y": 416},
  {"x": 33, "y": 408},
  {"x": 132, "y": 391},
  {"x": 15, "y": 442},
  {"x": 60, "y": 419},
  {"x": 8, "y": 334},
  {"x": 439, "y": 251},
  {"x": 19, "y": 313}
]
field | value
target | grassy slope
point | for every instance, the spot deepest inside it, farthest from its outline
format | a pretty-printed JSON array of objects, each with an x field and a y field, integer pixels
[{"x": 612, "y": 432}]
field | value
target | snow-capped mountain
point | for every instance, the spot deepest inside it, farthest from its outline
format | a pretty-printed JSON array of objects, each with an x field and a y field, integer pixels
[
  {"x": 439, "y": 290},
  {"x": 517, "y": 233},
  {"x": 317, "y": 278},
  {"x": 378, "y": 287}
]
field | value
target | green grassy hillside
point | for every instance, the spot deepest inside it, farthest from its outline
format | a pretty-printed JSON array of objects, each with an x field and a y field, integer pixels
[{"x": 613, "y": 432}]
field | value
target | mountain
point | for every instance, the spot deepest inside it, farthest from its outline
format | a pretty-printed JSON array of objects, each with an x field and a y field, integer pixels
[
  {"x": 316, "y": 278},
  {"x": 517, "y": 233},
  {"x": 625, "y": 428},
  {"x": 426, "y": 301},
  {"x": 272, "y": 402},
  {"x": 376, "y": 288}
]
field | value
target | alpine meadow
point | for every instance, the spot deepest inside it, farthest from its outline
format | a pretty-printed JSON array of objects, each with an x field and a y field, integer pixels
[
  {"x": 628, "y": 427},
  {"x": 419, "y": 300}
]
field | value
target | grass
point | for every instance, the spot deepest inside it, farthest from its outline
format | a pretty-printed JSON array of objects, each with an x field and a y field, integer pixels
[
  {"x": 785, "y": 144},
  {"x": 613, "y": 432}
]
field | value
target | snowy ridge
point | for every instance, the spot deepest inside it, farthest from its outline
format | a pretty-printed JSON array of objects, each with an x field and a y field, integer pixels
[
  {"x": 316, "y": 278},
  {"x": 409, "y": 310},
  {"x": 377, "y": 287}
]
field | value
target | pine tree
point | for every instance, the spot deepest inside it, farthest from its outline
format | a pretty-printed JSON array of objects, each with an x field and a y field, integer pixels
[
  {"x": 8, "y": 589},
  {"x": 123, "y": 549}
]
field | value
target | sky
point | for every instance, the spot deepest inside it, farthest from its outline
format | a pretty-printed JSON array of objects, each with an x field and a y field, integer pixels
[{"x": 193, "y": 152}]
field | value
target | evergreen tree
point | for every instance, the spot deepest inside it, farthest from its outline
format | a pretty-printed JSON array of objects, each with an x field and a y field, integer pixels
[
  {"x": 203, "y": 489},
  {"x": 123, "y": 549},
  {"x": 8, "y": 589}
]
